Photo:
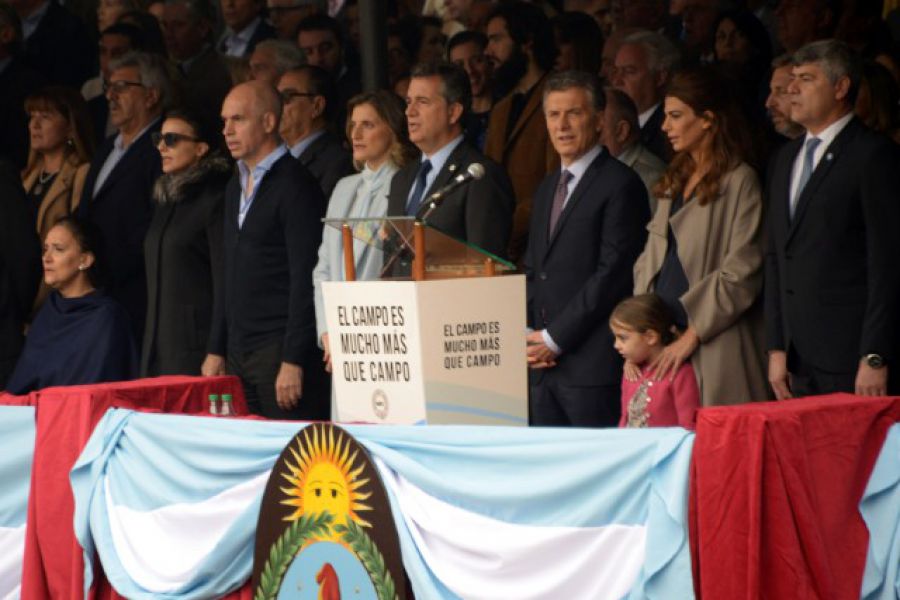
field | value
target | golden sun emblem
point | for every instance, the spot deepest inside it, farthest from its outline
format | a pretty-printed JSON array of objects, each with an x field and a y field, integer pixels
[{"x": 325, "y": 478}]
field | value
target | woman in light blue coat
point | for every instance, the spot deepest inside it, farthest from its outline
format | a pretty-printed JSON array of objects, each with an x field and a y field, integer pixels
[{"x": 377, "y": 130}]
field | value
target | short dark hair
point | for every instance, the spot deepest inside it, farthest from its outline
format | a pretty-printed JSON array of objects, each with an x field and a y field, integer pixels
[
  {"x": 622, "y": 106},
  {"x": 203, "y": 126},
  {"x": 321, "y": 83},
  {"x": 566, "y": 80},
  {"x": 134, "y": 34},
  {"x": 467, "y": 37},
  {"x": 321, "y": 22},
  {"x": 455, "y": 83},
  {"x": 586, "y": 37},
  {"x": 837, "y": 59},
  {"x": 525, "y": 23}
]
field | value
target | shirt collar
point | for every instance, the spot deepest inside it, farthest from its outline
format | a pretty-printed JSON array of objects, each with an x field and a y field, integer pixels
[
  {"x": 264, "y": 165},
  {"x": 581, "y": 164},
  {"x": 440, "y": 157},
  {"x": 828, "y": 134},
  {"x": 301, "y": 146},
  {"x": 31, "y": 22},
  {"x": 645, "y": 116},
  {"x": 119, "y": 142},
  {"x": 247, "y": 32}
]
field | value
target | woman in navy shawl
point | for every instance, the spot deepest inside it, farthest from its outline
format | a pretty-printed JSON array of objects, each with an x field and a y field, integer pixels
[{"x": 80, "y": 335}]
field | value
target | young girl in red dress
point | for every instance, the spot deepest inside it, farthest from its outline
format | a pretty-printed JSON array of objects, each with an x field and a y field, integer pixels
[{"x": 642, "y": 326}]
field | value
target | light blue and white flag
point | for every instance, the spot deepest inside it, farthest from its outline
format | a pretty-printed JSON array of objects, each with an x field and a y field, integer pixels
[
  {"x": 170, "y": 503},
  {"x": 880, "y": 509},
  {"x": 16, "y": 455}
]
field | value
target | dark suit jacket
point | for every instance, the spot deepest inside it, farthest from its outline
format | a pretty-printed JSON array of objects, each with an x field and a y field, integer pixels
[
  {"x": 328, "y": 161},
  {"x": 264, "y": 31},
  {"x": 20, "y": 267},
  {"x": 206, "y": 83},
  {"x": 576, "y": 276},
  {"x": 479, "y": 212},
  {"x": 268, "y": 287},
  {"x": 61, "y": 49},
  {"x": 183, "y": 257},
  {"x": 653, "y": 137},
  {"x": 832, "y": 277},
  {"x": 122, "y": 209},
  {"x": 17, "y": 82}
]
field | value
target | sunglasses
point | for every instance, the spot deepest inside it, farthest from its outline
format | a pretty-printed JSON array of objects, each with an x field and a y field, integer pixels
[
  {"x": 118, "y": 87},
  {"x": 170, "y": 139}
]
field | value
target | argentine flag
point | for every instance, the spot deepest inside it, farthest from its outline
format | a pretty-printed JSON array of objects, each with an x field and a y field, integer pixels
[
  {"x": 17, "y": 433},
  {"x": 170, "y": 505}
]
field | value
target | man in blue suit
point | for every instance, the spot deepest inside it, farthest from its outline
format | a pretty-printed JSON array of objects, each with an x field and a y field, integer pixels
[{"x": 587, "y": 230}]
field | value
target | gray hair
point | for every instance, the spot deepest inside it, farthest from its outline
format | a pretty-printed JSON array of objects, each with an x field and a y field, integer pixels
[
  {"x": 567, "y": 80},
  {"x": 662, "y": 55},
  {"x": 784, "y": 60},
  {"x": 287, "y": 55},
  {"x": 153, "y": 73},
  {"x": 836, "y": 59}
]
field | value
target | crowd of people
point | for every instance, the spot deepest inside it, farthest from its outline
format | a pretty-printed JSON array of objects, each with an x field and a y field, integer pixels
[{"x": 702, "y": 194}]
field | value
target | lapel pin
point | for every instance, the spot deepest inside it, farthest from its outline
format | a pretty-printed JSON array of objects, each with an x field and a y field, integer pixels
[
  {"x": 452, "y": 168},
  {"x": 829, "y": 156}
]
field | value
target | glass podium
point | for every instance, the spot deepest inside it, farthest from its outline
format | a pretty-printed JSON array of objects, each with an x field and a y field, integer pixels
[{"x": 413, "y": 250}]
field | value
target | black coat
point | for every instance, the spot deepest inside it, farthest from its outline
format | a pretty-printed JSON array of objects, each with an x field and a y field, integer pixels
[
  {"x": 122, "y": 209},
  {"x": 832, "y": 288},
  {"x": 268, "y": 288},
  {"x": 61, "y": 49},
  {"x": 654, "y": 138},
  {"x": 17, "y": 82},
  {"x": 328, "y": 161},
  {"x": 183, "y": 257},
  {"x": 576, "y": 277},
  {"x": 20, "y": 267},
  {"x": 479, "y": 212}
]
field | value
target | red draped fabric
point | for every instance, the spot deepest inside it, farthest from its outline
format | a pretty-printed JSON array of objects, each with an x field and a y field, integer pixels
[
  {"x": 66, "y": 417},
  {"x": 775, "y": 496}
]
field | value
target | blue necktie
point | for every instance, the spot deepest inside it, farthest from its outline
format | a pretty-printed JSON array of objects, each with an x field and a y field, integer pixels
[
  {"x": 805, "y": 171},
  {"x": 415, "y": 202}
]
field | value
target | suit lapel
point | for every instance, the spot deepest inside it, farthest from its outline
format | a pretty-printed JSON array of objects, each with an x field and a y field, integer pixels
[
  {"x": 133, "y": 153},
  {"x": 831, "y": 156},
  {"x": 578, "y": 193}
]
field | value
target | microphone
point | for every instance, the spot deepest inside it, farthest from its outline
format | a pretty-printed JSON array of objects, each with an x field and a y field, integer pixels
[{"x": 473, "y": 171}]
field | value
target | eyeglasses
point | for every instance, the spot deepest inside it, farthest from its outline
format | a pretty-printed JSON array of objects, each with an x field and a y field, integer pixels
[
  {"x": 117, "y": 87},
  {"x": 170, "y": 139},
  {"x": 288, "y": 96}
]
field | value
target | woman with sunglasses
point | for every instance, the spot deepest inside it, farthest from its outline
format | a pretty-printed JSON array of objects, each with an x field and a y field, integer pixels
[{"x": 183, "y": 247}]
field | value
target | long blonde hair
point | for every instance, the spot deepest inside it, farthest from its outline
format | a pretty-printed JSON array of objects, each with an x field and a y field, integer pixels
[{"x": 391, "y": 110}]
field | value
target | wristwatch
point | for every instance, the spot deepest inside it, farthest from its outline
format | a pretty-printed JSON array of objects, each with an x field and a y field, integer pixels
[{"x": 876, "y": 361}]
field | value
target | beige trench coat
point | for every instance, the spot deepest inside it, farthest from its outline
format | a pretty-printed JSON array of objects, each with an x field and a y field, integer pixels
[{"x": 720, "y": 247}]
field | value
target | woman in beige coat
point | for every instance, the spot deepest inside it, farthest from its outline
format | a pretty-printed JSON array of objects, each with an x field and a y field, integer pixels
[
  {"x": 61, "y": 144},
  {"x": 704, "y": 251}
]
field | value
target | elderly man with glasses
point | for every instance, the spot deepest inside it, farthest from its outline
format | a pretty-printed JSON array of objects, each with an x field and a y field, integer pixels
[{"x": 117, "y": 190}]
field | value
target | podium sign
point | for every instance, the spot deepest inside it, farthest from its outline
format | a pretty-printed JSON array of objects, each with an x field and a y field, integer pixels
[{"x": 444, "y": 351}]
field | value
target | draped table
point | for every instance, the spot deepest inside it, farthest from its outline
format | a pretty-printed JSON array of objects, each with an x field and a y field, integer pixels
[
  {"x": 775, "y": 496},
  {"x": 66, "y": 417}
]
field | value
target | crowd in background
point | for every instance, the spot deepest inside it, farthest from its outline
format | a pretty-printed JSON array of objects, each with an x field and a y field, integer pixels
[{"x": 733, "y": 164}]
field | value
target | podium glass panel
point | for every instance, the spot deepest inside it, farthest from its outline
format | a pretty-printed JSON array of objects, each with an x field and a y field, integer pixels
[{"x": 403, "y": 239}]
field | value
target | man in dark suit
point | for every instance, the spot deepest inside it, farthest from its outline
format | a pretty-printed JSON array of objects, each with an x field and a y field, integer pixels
[
  {"x": 321, "y": 38},
  {"x": 56, "y": 42},
  {"x": 479, "y": 212},
  {"x": 117, "y": 190},
  {"x": 245, "y": 27},
  {"x": 20, "y": 268},
  {"x": 832, "y": 279},
  {"x": 264, "y": 318},
  {"x": 643, "y": 67},
  {"x": 308, "y": 98},
  {"x": 587, "y": 230}
]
